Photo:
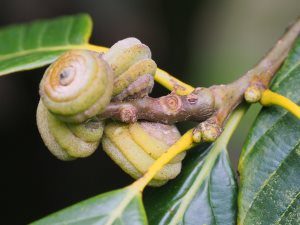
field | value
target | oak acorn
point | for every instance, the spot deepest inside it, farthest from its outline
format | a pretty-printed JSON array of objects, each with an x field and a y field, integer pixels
[
  {"x": 68, "y": 141},
  {"x": 133, "y": 68},
  {"x": 77, "y": 86},
  {"x": 135, "y": 147}
]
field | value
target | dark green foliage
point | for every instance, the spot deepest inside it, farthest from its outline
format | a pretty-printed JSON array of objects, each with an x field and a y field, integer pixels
[
  {"x": 32, "y": 45},
  {"x": 269, "y": 164}
]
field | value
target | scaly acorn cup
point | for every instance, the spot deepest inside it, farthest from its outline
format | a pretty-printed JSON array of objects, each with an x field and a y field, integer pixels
[
  {"x": 130, "y": 60},
  {"x": 77, "y": 86},
  {"x": 68, "y": 141},
  {"x": 135, "y": 147}
]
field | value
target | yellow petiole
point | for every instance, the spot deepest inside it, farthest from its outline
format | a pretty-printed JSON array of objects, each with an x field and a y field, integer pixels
[
  {"x": 95, "y": 48},
  {"x": 272, "y": 98},
  {"x": 161, "y": 76},
  {"x": 184, "y": 143},
  {"x": 171, "y": 83}
]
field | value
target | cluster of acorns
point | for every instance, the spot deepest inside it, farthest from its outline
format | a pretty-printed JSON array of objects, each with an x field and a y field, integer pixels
[{"x": 79, "y": 85}]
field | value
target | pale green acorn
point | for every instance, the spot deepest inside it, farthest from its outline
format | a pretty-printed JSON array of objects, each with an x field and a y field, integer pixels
[
  {"x": 68, "y": 141},
  {"x": 77, "y": 86},
  {"x": 135, "y": 147},
  {"x": 130, "y": 60},
  {"x": 125, "y": 53}
]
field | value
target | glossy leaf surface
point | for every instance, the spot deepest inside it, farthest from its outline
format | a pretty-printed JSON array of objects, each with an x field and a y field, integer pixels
[
  {"x": 204, "y": 193},
  {"x": 31, "y": 45},
  {"x": 270, "y": 161},
  {"x": 120, "y": 207}
]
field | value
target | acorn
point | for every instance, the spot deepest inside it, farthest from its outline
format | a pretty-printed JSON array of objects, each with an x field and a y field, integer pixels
[
  {"x": 135, "y": 147},
  {"x": 77, "y": 86},
  {"x": 68, "y": 141},
  {"x": 130, "y": 60},
  {"x": 80, "y": 84}
]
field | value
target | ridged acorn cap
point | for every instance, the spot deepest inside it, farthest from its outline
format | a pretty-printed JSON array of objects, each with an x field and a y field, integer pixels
[
  {"x": 68, "y": 141},
  {"x": 77, "y": 86},
  {"x": 135, "y": 147},
  {"x": 129, "y": 60}
]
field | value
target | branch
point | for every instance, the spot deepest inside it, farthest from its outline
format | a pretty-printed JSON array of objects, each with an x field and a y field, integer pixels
[
  {"x": 210, "y": 106},
  {"x": 197, "y": 106}
]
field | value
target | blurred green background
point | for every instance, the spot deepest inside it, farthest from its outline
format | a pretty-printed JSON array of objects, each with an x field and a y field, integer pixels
[{"x": 202, "y": 42}]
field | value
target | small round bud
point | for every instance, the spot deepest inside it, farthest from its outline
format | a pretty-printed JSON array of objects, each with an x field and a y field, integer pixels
[
  {"x": 197, "y": 136},
  {"x": 209, "y": 131},
  {"x": 252, "y": 94}
]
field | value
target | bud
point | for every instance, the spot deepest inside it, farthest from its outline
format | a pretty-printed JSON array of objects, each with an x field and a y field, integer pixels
[
  {"x": 206, "y": 132},
  {"x": 253, "y": 94}
]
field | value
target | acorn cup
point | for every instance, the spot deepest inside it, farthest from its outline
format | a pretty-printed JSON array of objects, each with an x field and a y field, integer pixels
[
  {"x": 135, "y": 147},
  {"x": 133, "y": 68},
  {"x": 77, "y": 86},
  {"x": 80, "y": 84},
  {"x": 68, "y": 141}
]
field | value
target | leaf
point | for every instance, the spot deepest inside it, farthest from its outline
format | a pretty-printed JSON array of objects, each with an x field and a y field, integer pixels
[
  {"x": 32, "y": 45},
  {"x": 270, "y": 161},
  {"x": 204, "y": 193},
  {"x": 119, "y": 207}
]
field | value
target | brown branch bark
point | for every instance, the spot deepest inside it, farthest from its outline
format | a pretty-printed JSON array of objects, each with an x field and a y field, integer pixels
[{"x": 172, "y": 108}]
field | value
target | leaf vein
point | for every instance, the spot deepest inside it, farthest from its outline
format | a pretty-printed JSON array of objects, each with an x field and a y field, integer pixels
[
  {"x": 270, "y": 129},
  {"x": 287, "y": 208},
  {"x": 279, "y": 81},
  {"x": 267, "y": 181}
]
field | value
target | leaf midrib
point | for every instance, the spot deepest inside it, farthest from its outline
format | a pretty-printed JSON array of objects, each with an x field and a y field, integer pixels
[
  {"x": 287, "y": 208},
  {"x": 43, "y": 49},
  {"x": 210, "y": 160},
  {"x": 118, "y": 211}
]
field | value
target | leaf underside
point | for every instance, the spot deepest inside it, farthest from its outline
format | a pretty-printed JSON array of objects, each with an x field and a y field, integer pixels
[
  {"x": 270, "y": 161},
  {"x": 119, "y": 207},
  {"x": 187, "y": 200},
  {"x": 32, "y": 45}
]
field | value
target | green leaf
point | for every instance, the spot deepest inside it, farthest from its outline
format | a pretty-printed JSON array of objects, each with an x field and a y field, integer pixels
[
  {"x": 119, "y": 207},
  {"x": 32, "y": 45},
  {"x": 270, "y": 161},
  {"x": 204, "y": 193}
]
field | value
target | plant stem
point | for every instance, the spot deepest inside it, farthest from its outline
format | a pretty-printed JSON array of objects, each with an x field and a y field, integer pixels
[
  {"x": 209, "y": 106},
  {"x": 184, "y": 143},
  {"x": 162, "y": 77},
  {"x": 271, "y": 98},
  {"x": 171, "y": 83}
]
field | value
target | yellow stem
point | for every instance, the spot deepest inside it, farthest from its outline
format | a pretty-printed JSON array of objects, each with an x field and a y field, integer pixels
[
  {"x": 95, "y": 48},
  {"x": 162, "y": 77},
  {"x": 184, "y": 143},
  {"x": 171, "y": 83},
  {"x": 272, "y": 98}
]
